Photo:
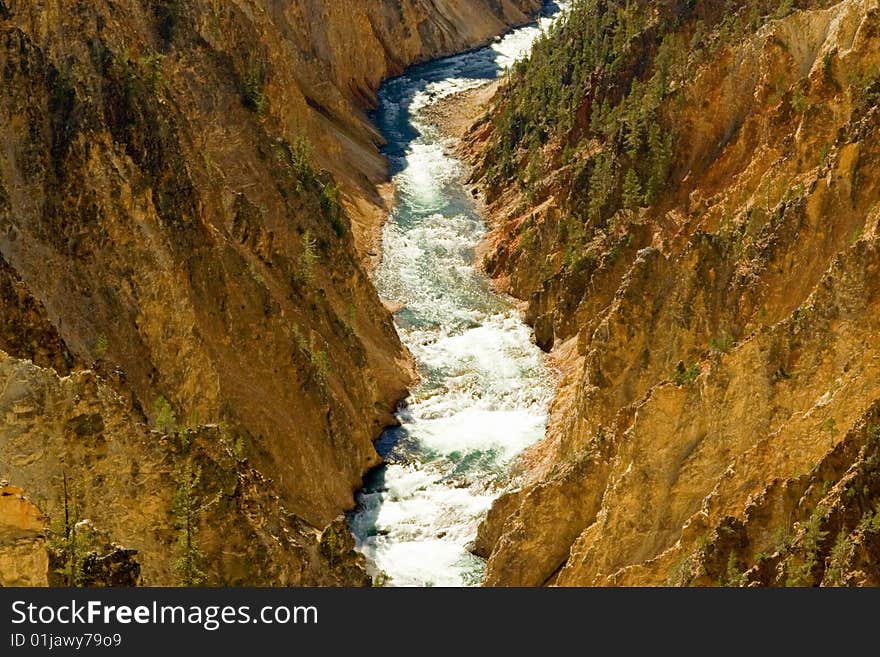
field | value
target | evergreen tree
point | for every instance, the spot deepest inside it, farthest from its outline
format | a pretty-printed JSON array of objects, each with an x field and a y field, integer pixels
[
  {"x": 632, "y": 190},
  {"x": 187, "y": 510}
]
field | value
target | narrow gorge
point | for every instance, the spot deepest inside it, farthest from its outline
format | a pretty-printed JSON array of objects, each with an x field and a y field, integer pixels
[{"x": 484, "y": 386}]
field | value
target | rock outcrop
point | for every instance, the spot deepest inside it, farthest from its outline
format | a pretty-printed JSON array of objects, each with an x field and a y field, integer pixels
[
  {"x": 186, "y": 195},
  {"x": 24, "y": 558},
  {"x": 714, "y": 309},
  {"x": 90, "y": 462}
]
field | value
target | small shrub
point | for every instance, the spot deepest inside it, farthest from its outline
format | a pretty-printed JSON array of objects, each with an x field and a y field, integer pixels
[
  {"x": 331, "y": 207},
  {"x": 308, "y": 257},
  {"x": 827, "y": 64},
  {"x": 528, "y": 239},
  {"x": 685, "y": 375},
  {"x": 801, "y": 574},
  {"x": 873, "y": 435},
  {"x": 823, "y": 154},
  {"x": 724, "y": 343},
  {"x": 870, "y": 521},
  {"x": 829, "y": 426},
  {"x": 101, "y": 345},
  {"x": 151, "y": 70},
  {"x": 301, "y": 160},
  {"x": 318, "y": 358},
  {"x": 785, "y": 8},
  {"x": 321, "y": 363},
  {"x": 253, "y": 94},
  {"x": 233, "y": 441},
  {"x": 799, "y": 101},
  {"x": 166, "y": 420},
  {"x": 836, "y": 571},
  {"x": 259, "y": 279},
  {"x": 733, "y": 576},
  {"x": 681, "y": 574}
]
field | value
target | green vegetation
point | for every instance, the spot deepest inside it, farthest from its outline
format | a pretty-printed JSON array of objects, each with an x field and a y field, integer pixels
[
  {"x": 782, "y": 539},
  {"x": 872, "y": 434},
  {"x": 823, "y": 154},
  {"x": 351, "y": 314},
  {"x": 583, "y": 62},
  {"x": 602, "y": 88},
  {"x": 829, "y": 426},
  {"x": 141, "y": 78},
  {"x": 331, "y": 207},
  {"x": 166, "y": 419},
  {"x": 801, "y": 574},
  {"x": 866, "y": 85},
  {"x": 632, "y": 190},
  {"x": 150, "y": 68},
  {"x": 64, "y": 544},
  {"x": 840, "y": 554},
  {"x": 300, "y": 153},
  {"x": 308, "y": 257},
  {"x": 101, "y": 345},
  {"x": 845, "y": 547},
  {"x": 681, "y": 574},
  {"x": 870, "y": 521},
  {"x": 828, "y": 64},
  {"x": 187, "y": 510},
  {"x": 785, "y": 8},
  {"x": 733, "y": 575},
  {"x": 253, "y": 93},
  {"x": 799, "y": 101},
  {"x": 321, "y": 363},
  {"x": 318, "y": 358},
  {"x": 724, "y": 343},
  {"x": 528, "y": 236},
  {"x": 309, "y": 181},
  {"x": 259, "y": 279},
  {"x": 685, "y": 375}
]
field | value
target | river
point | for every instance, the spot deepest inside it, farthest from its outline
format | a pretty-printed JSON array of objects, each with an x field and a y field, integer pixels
[{"x": 484, "y": 386}]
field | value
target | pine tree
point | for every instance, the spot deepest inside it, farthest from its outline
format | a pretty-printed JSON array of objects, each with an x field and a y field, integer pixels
[
  {"x": 601, "y": 182},
  {"x": 308, "y": 257},
  {"x": 63, "y": 539},
  {"x": 632, "y": 190},
  {"x": 186, "y": 511}
]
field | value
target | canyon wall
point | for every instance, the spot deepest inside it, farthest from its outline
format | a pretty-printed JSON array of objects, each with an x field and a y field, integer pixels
[
  {"x": 194, "y": 362},
  {"x": 696, "y": 231}
]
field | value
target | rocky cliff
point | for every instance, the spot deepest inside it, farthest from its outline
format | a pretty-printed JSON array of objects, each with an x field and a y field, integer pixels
[
  {"x": 194, "y": 361},
  {"x": 686, "y": 195}
]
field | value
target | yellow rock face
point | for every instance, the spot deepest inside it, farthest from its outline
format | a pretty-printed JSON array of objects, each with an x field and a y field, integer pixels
[
  {"x": 721, "y": 376},
  {"x": 23, "y": 557}
]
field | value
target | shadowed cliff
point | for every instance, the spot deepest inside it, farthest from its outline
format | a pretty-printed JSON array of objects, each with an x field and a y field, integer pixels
[{"x": 184, "y": 191}]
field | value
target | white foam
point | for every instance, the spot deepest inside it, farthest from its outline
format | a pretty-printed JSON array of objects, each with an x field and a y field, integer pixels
[{"x": 485, "y": 386}]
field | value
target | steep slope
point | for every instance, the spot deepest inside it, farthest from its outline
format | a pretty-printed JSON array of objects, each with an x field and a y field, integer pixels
[
  {"x": 184, "y": 190},
  {"x": 693, "y": 218},
  {"x": 131, "y": 496}
]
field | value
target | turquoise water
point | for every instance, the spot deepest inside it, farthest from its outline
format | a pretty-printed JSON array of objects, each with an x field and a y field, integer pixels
[{"x": 485, "y": 386}]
